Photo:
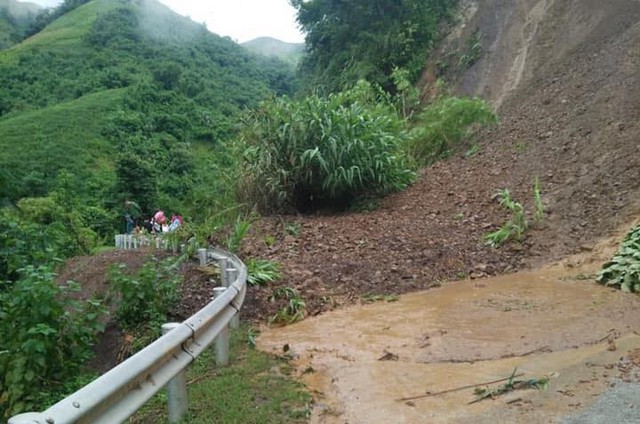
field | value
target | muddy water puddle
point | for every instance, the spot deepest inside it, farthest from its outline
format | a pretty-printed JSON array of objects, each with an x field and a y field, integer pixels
[{"x": 553, "y": 323}]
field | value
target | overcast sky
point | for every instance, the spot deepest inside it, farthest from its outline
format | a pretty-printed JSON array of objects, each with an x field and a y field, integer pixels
[{"x": 242, "y": 20}]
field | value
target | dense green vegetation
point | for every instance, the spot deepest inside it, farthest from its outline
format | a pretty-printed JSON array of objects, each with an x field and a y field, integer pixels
[
  {"x": 52, "y": 332},
  {"x": 444, "y": 125},
  {"x": 111, "y": 100},
  {"x": 623, "y": 270},
  {"x": 322, "y": 152},
  {"x": 103, "y": 94},
  {"x": 362, "y": 39}
]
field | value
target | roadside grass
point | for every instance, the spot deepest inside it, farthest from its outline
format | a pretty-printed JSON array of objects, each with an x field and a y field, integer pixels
[{"x": 255, "y": 388}]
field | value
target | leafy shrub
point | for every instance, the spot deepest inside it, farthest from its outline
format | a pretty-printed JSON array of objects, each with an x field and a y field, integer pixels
[
  {"x": 537, "y": 200},
  {"x": 38, "y": 232},
  {"x": 444, "y": 124},
  {"x": 262, "y": 271},
  {"x": 294, "y": 310},
  {"x": 146, "y": 296},
  {"x": 46, "y": 337},
  {"x": 623, "y": 271},
  {"x": 322, "y": 152}
]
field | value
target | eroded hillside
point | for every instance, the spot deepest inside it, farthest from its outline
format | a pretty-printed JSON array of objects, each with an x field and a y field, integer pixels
[{"x": 563, "y": 76}]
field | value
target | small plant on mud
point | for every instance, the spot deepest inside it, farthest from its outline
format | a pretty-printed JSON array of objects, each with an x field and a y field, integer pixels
[
  {"x": 294, "y": 311},
  {"x": 472, "y": 51},
  {"x": 537, "y": 200},
  {"x": 262, "y": 271},
  {"x": 623, "y": 271},
  {"x": 370, "y": 298},
  {"x": 515, "y": 227},
  {"x": 512, "y": 384},
  {"x": 269, "y": 240},
  {"x": 238, "y": 233},
  {"x": 292, "y": 228}
]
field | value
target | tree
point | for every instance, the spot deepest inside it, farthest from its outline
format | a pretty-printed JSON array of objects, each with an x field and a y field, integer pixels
[
  {"x": 137, "y": 180},
  {"x": 365, "y": 39}
]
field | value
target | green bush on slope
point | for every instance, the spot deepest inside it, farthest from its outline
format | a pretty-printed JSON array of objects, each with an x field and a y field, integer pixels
[{"x": 323, "y": 152}]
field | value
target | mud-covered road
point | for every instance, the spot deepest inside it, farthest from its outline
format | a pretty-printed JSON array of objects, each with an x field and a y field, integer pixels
[{"x": 391, "y": 361}]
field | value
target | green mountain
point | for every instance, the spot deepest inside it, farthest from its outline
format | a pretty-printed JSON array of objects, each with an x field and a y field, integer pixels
[
  {"x": 15, "y": 18},
  {"x": 271, "y": 47},
  {"x": 126, "y": 99}
]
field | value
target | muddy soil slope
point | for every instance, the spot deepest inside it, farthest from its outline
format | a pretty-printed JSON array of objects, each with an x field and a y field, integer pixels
[{"x": 563, "y": 77}]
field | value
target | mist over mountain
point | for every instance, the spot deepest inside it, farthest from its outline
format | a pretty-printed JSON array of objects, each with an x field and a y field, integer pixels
[
  {"x": 15, "y": 18},
  {"x": 268, "y": 46}
]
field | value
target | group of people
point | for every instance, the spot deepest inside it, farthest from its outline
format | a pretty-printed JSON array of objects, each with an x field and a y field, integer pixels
[{"x": 157, "y": 224}]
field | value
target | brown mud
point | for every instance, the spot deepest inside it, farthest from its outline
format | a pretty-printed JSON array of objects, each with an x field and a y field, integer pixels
[{"x": 375, "y": 363}]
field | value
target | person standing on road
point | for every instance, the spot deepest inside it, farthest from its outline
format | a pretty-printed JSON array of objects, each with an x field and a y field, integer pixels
[{"x": 132, "y": 214}]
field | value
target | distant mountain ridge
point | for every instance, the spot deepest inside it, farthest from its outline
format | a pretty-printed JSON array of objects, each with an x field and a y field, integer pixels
[{"x": 268, "y": 46}]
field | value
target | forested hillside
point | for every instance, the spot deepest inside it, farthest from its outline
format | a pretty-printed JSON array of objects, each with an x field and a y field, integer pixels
[
  {"x": 102, "y": 102},
  {"x": 112, "y": 84}
]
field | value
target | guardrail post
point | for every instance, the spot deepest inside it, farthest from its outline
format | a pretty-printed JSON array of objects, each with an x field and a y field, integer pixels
[
  {"x": 223, "y": 265},
  {"x": 177, "y": 398},
  {"x": 202, "y": 256},
  {"x": 222, "y": 339}
]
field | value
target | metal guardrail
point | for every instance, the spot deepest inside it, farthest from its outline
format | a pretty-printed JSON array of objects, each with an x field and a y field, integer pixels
[{"x": 119, "y": 393}]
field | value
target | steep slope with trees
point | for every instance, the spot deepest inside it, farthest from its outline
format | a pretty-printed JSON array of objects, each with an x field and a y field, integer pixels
[
  {"x": 148, "y": 94},
  {"x": 348, "y": 41}
]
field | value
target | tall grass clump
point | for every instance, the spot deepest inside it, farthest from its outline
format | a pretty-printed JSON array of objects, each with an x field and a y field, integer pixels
[
  {"x": 444, "y": 124},
  {"x": 323, "y": 152}
]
